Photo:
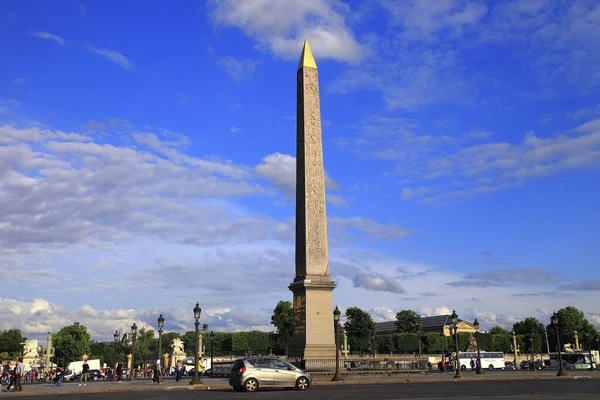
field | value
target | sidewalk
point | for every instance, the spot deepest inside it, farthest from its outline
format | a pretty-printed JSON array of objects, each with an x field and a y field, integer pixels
[{"x": 221, "y": 383}]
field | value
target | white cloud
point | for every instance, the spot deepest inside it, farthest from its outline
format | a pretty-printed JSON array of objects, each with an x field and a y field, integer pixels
[
  {"x": 46, "y": 35},
  {"x": 280, "y": 169},
  {"x": 422, "y": 20},
  {"x": 113, "y": 56},
  {"x": 377, "y": 282},
  {"x": 234, "y": 129},
  {"x": 283, "y": 26}
]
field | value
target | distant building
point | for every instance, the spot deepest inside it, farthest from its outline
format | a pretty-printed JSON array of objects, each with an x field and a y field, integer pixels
[{"x": 436, "y": 324}]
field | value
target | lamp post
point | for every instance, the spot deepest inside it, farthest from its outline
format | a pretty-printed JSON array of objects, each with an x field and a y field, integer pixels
[
  {"x": 373, "y": 343},
  {"x": 133, "y": 340},
  {"x": 587, "y": 338},
  {"x": 515, "y": 349},
  {"x": 212, "y": 350},
  {"x": 161, "y": 323},
  {"x": 479, "y": 369},
  {"x": 336, "y": 321},
  {"x": 197, "y": 312},
  {"x": 116, "y": 337},
  {"x": 554, "y": 321},
  {"x": 454, "y": 317},
  {"x": 532, "y": 355}
]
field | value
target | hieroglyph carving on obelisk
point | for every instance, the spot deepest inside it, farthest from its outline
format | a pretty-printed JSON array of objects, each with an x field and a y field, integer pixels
[
  {"x": 312, "y": 287},
  {"x": 311, "y": 223}
]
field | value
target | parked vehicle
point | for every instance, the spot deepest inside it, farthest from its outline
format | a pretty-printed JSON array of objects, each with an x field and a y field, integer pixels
[
  {"x": 77, "y": 366},
  {"x": 509, "y": 365},
  {"x": 249, "y": 374},
  {"x": 95, "y": 375}
]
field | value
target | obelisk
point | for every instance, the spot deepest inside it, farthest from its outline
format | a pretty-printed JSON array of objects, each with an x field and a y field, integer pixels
[{"x": 312, "y": 287}]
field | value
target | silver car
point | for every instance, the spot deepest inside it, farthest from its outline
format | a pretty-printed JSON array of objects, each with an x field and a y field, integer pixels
[{"x": 248, "y": 374}]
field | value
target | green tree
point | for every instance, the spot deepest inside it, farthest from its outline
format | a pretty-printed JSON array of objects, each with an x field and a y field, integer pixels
[
  {"x": 188, "y": 342},
  {"x": 146, "y": 346},
  {"x": 570, "y": 320},
  {"x": 283, "y": 320},
  {"x": 11, "y": 342},
  {"x": 102, "y": 351},
  {"x": 71, "y": 343},
  {"x": 408, "y": 321},
  {"x": 360, "y": 328},
  {"x": 498, "y": 330},
  {"x": 527, "y": 326}
]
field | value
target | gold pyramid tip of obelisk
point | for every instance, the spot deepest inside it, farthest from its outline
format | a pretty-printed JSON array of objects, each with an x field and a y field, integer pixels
[{"x": 307, "y": 59}]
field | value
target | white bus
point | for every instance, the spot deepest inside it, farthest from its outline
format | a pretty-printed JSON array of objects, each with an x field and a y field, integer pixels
[
  {"x": 578, "y": 360},
  {"x": 489, "y": 359}
]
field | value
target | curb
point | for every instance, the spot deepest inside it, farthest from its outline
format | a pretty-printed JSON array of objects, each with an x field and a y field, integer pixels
[
  {"x": 453, "y": 380},
  {"x": 318, "y": 382}
]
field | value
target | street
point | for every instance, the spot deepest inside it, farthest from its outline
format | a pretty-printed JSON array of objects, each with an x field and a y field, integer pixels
[{"x": 497, "y": 390}]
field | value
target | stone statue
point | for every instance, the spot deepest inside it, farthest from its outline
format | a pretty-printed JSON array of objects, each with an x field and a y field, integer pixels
[
  {"x": 30, "y": 349},
  {"x": 472, "y": 343},
  {"x": 177, "y": 346},
  {"x": 569, "y": 348}
]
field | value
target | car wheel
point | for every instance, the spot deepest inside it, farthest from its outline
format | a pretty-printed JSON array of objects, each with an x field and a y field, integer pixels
[
  {"x": 302, "y": 383},
  {"x": 251, "y": 385},
  {"x": 491, "y": 367},
  {"x": 463, "y": 367},
  {"x": 238, "y": 388}
]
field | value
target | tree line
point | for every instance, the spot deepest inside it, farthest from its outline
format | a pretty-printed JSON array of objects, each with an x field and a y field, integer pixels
[
  {"x": 73, "y": 341},
  {"x": 359, "y": 328}
]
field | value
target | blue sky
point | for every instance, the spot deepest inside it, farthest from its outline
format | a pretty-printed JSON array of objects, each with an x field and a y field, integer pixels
[{"x": 147, "y": 158}]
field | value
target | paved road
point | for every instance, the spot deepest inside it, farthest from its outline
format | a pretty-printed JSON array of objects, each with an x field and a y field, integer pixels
[{"x": 485, "y": 390}]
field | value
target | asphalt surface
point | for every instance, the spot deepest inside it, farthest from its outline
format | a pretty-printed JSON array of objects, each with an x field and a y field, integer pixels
[{"x": 496, "y": 390}]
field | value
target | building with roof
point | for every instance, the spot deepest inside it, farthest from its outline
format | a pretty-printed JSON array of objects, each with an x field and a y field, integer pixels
[{"x": 436, "y": 324}]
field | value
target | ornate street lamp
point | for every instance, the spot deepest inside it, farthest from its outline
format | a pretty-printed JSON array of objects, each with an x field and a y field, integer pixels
[
  {"x": 197, "y": 312},
  {"x": 454, "y": 317},
  {"x": 116, "y": 337},
  {"x": 588, "y": 339},
  {"x": 336, "y": 320},
  {"x": 561, "y": 370},
  {"x": 133, "y": 340},
  {"x": 212, "y": 350},
  {"x": 479, "y": 369},
  {"x": 516, "y": 349},
  {"x": 532, "y": 355},
  {"x": 373, "y": 343},
  {"x": 161, "y": 323}
]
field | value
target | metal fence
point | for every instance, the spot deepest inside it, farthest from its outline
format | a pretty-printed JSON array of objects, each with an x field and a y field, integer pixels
[{"x": 357, "y": 365}]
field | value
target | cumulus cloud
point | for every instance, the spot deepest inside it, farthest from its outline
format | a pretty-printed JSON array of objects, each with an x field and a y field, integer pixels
[
  {"x": 282, "y": 27},
  {"x": 382, "y": 314},
  {"x": 377, "y": 282},
  {"x": 280, "y": 169},
  {"x": 452, "y": 167},
  {"x": 38, "y": 316}
]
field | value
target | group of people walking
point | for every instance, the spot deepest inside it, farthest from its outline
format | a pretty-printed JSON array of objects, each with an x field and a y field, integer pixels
[{"x": 12, "y": 377}]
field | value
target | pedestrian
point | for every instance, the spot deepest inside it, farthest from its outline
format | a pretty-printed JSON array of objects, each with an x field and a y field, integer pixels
[
  {"x": 156, "y": 372},
  {"x": 472, "y": 364},
  {"x": 19, "y": 373},
  {"x": 200, "y": 368},
  {"x": 85, "y": 374},
  {"x": 178, "y": 371},
  {"x": 120, "y": 372}
]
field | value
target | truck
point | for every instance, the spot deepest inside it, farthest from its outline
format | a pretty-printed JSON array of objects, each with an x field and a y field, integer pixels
[{"x": 75, "y": 367}]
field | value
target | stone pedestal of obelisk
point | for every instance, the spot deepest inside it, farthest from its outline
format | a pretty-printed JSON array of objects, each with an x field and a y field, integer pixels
[{"x": 312, "y": 287}]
